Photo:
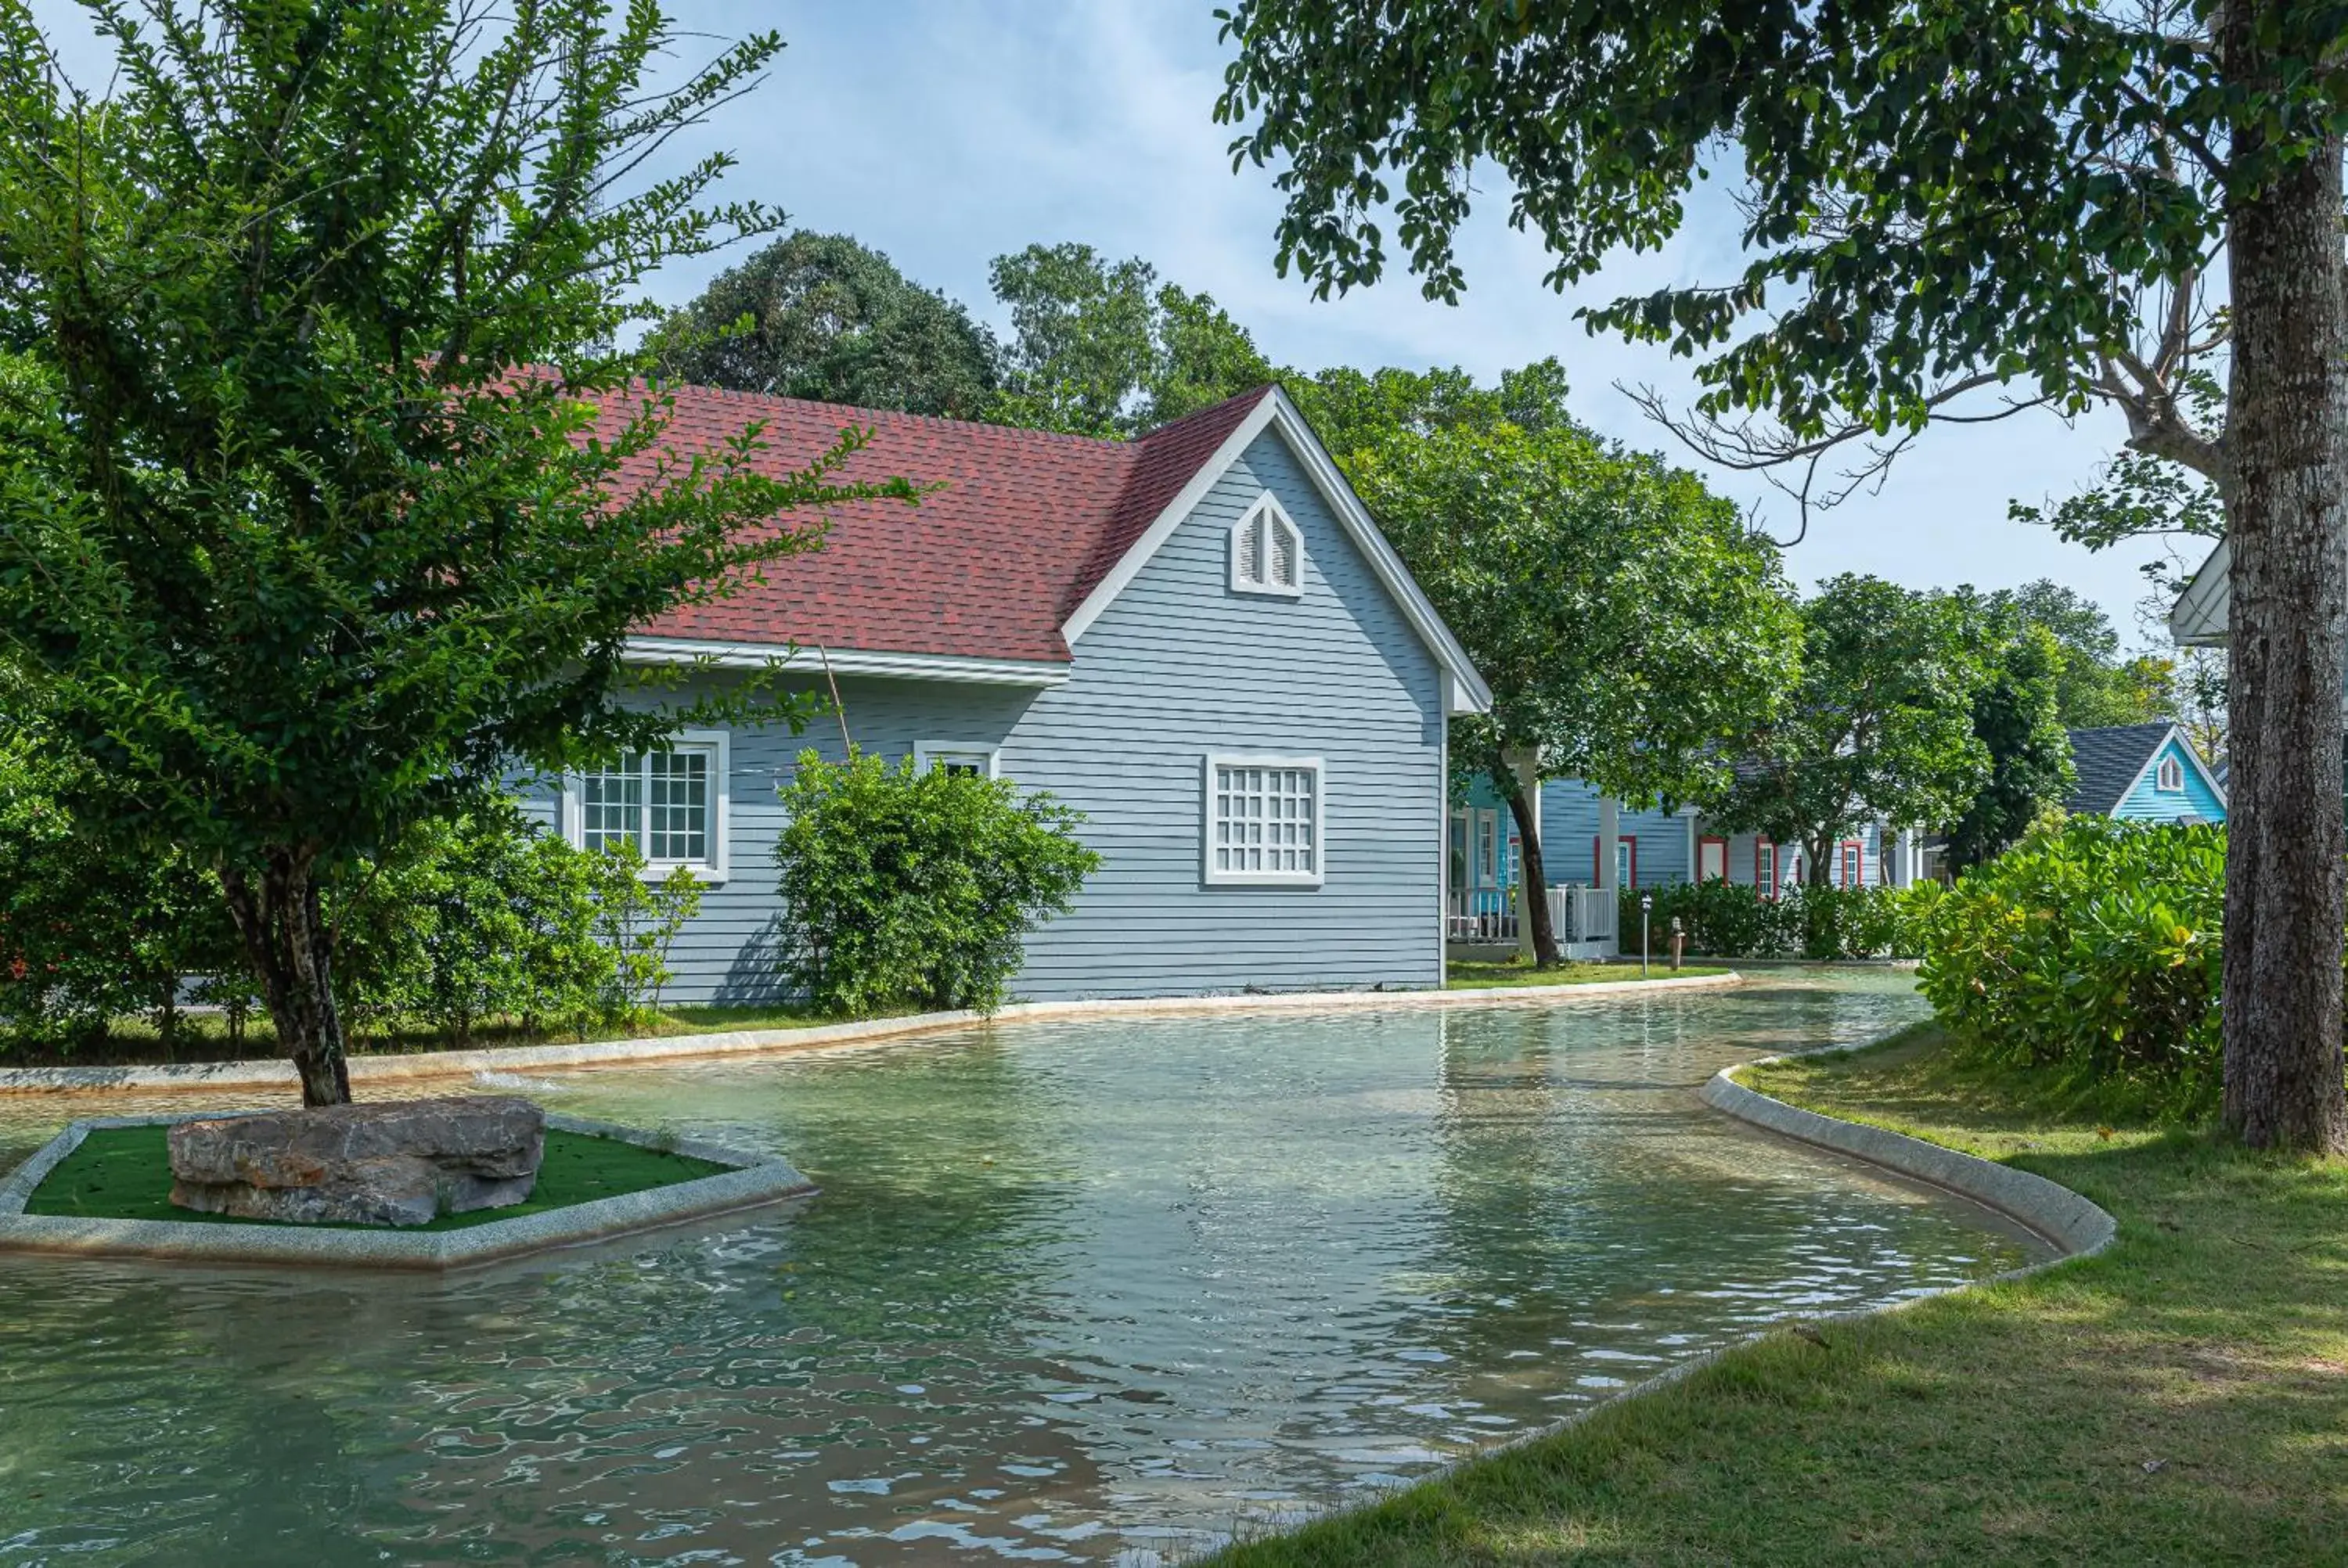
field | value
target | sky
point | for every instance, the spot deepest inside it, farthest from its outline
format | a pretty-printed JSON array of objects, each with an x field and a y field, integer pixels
[{"x": 947, "y": 132}]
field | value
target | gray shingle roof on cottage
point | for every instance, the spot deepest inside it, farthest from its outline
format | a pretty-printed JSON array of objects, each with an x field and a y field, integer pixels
[{"x": 2108, "y": 760}]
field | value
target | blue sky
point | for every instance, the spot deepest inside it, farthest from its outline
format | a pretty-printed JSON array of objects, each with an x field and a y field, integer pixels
[{"x": 945, "y": 132}]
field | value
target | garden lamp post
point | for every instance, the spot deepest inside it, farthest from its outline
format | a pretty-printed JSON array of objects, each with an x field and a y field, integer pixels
[{"x": 1646, "y": 905}]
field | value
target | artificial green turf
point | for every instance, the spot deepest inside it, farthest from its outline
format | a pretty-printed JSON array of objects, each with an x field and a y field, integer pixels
[
  {"x": 1465, "y": 977},
  {"x": 125, "y": 1173},
  {"x": 2180, "y": 1398}
]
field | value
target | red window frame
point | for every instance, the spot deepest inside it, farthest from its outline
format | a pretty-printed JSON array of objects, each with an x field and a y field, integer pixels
[
  {"x": 1598, "y": 860},
  {"x": 1701, "y": 842}
]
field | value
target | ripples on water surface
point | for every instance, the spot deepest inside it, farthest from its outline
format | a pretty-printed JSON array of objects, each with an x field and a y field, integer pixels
[{"x": 1077, "y": 1292}]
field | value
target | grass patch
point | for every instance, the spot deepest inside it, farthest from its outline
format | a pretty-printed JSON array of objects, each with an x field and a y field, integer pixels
[
  {"x": 125, "y": 1173},
  {"x": 205, "y": 1037},
  {"x": 1466, "y": 976},
  {"x": 2181, "y": 1397}
]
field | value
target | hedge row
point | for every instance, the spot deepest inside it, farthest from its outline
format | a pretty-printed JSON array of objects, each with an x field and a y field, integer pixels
[{"x": 1733, "y": 920}]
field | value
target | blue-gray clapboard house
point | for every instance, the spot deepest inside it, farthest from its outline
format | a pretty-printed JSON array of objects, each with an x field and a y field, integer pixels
[
  {"x": 1196, "y": 637},
  {"x": 2143, "y": 773}
]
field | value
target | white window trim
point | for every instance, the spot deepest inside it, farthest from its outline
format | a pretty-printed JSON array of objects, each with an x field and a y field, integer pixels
[
  {"x": 1212, "y": 878},
  {"x": 1266, "y": 504},
  {"x": 927, "y": 752},
  {"x": 2169, "y": 776},
  {"x": 714, "y": 869}
]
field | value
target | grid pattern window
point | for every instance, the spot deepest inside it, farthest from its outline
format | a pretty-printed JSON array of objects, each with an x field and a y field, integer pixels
[
  {"x": 1264, "y": 822},
  {"x": 2170, "y": 778},
  {"x": 665, "y": 803},
  {"x": 1267, "y": 551}
]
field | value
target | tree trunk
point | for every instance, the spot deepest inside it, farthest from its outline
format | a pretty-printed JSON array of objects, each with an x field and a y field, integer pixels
[
  {"x": 286, "y": 936},
  {"x": 1819, "y": 850},
  {"x": 2287, "y": 446},
  {"x": 1532, "y": 880}
]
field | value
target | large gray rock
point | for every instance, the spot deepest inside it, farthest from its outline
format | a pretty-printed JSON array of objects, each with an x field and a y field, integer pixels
[{"x": 399, "y": 1162}]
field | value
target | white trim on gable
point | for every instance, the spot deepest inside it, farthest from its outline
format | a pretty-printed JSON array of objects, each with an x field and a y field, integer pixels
[
  {"x": 1465, "y": 691},
  {"x": 2193, "y": 759},
  {"x": 2198, "y": 620}
]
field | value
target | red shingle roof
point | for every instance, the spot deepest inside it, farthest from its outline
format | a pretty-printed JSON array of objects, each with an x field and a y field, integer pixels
[{"x": 989, "y": 567}]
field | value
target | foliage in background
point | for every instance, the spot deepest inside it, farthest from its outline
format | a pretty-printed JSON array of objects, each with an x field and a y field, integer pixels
[
  {"x": 2017, "y": 719},
  {"x": 906, "y": 889},
  {"x": 1620, "y": 612},
  {"x": 2094, "y": 950},
  {"x": 1877, "y": 728},
  {"x": 823, "y": 317},
  {"x": 303, "y": 535},
  {"x": 1735, "y": 920}
]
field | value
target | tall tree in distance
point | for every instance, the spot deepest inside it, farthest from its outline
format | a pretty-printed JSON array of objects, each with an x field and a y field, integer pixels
[
  {"x": 1083, "y": 344},
  {"x": 1623, "y": 617},
  {"x": 309, "y": 523},
  {"x": 1895, "y": 277},
  {"x": 1880, "y": 726},
  {"x": 2017, "y": 718},
  {"x": 820, "y": 316}
]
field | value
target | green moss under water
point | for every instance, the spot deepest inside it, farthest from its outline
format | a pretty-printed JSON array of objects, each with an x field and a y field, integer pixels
[{"x": 125, "y": 1173}]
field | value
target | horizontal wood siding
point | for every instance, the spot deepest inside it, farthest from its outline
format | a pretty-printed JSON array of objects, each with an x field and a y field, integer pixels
[
  {"x": 2147, "y": 803},
  {"x": 1179, "y": 666}
]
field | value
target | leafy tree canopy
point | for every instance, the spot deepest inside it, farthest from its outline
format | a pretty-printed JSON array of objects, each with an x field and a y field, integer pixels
[
  {"x": 820, "y": 316},
  {"x": 307, "y": 525},
  {"x": 2095, "y": 685},
  {"x": 2018, "y": 721},
  {"x": 1879, "y": 727}
]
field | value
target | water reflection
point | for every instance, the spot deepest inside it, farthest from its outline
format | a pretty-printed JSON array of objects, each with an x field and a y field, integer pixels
[{"x": 1070, "y": 1291}]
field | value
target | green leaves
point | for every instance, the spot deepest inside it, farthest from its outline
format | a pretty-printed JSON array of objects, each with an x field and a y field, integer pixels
[
  {"x": 2093, "y": 949},
  {"x": 905, "y": 889},
  {"x": 1626, "y": 621}
]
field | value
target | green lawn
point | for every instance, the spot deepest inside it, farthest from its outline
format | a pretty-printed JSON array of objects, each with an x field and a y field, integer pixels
[
  {"x": 2181, "y": 1398},
  {"x": 125, "y": 1173},
  {"x": 1493, "y": 976}
]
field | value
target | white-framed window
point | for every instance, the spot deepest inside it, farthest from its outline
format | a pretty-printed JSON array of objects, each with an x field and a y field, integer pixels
[
  {"x": 955, "y": 757},
  {"x": 1265, "y": 822},
  {"x": 2169, "y": 777},
  {"x": 671, "y": 804},
  {"x": 1267, "y": 551}
]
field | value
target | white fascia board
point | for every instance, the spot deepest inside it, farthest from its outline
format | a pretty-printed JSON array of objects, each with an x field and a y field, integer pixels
[
  {"x": 811, "y": 660},
  {"x": 2198, "y": 617},
  {"x": 1464, "y": 689}
]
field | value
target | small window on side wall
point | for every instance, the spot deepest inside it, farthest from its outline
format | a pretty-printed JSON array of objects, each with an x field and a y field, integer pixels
[
  {"x": 977, "y": 761},
  {"x": 2170, "y": 778},
  {"x": 1267, "y": 551},
  {"x": 1264, "y": 825}
]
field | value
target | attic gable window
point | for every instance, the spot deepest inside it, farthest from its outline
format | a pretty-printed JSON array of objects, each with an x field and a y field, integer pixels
[
  {"x": 1267, "y": 551},
  {"x": 2170, "y": 778}
]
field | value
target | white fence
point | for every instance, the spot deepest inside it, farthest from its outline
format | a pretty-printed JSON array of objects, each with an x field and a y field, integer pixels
[{"x": 1580, "y": 913}]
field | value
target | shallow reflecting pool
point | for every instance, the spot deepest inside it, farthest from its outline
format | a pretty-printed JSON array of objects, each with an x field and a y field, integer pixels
[{"x": 1073, "y": 1292}]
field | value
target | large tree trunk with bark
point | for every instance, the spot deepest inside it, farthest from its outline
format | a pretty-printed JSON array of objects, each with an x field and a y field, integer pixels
[
  {"x": 2287, "y": 515},
  {"x": 1532, "y": 878},
  {"x": 286, "y": 936}
]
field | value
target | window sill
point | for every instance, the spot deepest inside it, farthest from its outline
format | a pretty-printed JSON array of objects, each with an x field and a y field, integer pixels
[{"x": 1259, "y": 879}]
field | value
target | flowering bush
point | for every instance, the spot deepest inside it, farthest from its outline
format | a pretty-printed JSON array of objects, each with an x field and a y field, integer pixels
[{"x": 1733, "y": 920}]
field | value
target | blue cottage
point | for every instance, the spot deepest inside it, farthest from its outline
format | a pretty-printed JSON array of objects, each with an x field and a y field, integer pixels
[{"x": 2143, "y": 773}]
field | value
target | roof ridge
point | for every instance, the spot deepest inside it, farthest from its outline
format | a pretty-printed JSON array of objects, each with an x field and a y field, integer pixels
[{"x": 893, "y": 415}]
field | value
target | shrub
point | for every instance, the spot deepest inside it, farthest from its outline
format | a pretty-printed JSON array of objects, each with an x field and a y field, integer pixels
[
  {"x": 913, "y": 889},
  {"x": 1733, "y": 920},
  {"x": 2093, "y": 949}
]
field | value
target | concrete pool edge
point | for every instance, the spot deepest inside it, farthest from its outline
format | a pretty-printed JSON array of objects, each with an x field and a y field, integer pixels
[
  {"x": 403, "y": 1069},
  {"x": 751, "y": 1180},
  {"x": 2074, "y": 1225}
]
